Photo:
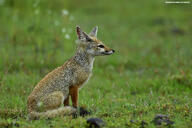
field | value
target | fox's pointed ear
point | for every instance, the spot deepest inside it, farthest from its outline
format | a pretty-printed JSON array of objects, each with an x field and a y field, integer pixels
[
  {"x": 82, "y": 35},
  {"x": 94, "y": 31}
]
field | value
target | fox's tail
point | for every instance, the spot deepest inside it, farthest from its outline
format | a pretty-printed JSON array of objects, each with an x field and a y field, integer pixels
[{"x": 62, "y": 111}]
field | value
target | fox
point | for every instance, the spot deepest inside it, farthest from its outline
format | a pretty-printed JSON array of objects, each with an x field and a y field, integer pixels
[{"x": 50, "y": 97}]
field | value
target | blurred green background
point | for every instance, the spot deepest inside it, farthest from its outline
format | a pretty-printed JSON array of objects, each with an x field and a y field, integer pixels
[{"x": 149, "y": 74}]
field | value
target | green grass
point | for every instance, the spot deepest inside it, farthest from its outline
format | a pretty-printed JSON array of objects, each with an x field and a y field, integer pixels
[{"x": 149, "y": 74}]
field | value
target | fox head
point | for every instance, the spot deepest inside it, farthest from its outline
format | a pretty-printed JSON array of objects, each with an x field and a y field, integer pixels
[{"x": 92, "y": 44}]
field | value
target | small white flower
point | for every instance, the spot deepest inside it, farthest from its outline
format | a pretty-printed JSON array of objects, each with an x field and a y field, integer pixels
[
  {"x": 56, "y": 23},
  {"x": 67, "y": 36},
  {"x": 49, "y": 12},
  {"x": 63, "y": 30},
  {"x": 65, "y": 12},
  {"x": 2, "y": 2},
  {"x": 71, "y": 18},
  {"x": 36, "y": 12}
]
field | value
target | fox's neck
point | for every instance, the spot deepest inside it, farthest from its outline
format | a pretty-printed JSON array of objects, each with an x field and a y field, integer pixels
[{"x": 84, "y": 59}]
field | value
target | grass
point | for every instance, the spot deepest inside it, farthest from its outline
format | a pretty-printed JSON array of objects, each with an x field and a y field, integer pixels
[{"x": 149, "y": 74}]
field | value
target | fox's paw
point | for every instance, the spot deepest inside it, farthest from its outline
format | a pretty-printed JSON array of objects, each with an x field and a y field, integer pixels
[
  {"x": 76, "y": 113},
  {"x": 83, "y": 112}
]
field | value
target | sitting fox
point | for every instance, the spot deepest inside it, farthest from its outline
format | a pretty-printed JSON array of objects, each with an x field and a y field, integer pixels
[{"x": 49, "y": 95}]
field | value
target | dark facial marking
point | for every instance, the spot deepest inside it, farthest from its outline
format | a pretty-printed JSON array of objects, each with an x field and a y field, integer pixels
[
  {"x": 89, "y": 40},
  {"x": 100, "y": 46}
]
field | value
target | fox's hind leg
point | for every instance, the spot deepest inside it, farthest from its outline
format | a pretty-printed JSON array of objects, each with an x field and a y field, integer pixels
[
  {"x": 73, "y": 91},
  {"x": 66, "y": 101},
  {"x": 51, "y": 101}
]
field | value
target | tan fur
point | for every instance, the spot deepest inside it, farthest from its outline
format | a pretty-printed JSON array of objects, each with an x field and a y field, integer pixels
[
  {"x": 53, "y": 91},
  {"x": 62, "y": 111},
  {"x": 95, "y": 39}
]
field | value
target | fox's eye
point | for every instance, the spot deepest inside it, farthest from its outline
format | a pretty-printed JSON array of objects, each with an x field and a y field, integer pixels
[{"x": 100, "y": 46}]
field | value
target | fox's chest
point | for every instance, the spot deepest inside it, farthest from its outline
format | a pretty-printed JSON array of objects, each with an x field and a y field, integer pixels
[
  {"x": 77, "y": 74},
  {"x": 83, "y": 74},
  {"x": 81, "y": 78}
]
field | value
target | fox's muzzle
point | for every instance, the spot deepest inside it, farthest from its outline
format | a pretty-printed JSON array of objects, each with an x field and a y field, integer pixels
[{"x": 108, "y": 52}]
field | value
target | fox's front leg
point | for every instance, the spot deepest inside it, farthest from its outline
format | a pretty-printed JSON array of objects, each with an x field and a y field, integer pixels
[{"x": 73, "y": 91}]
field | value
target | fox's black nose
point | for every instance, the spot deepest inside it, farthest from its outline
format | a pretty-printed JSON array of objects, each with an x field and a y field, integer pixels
[{"x": 113, "y": 50}]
